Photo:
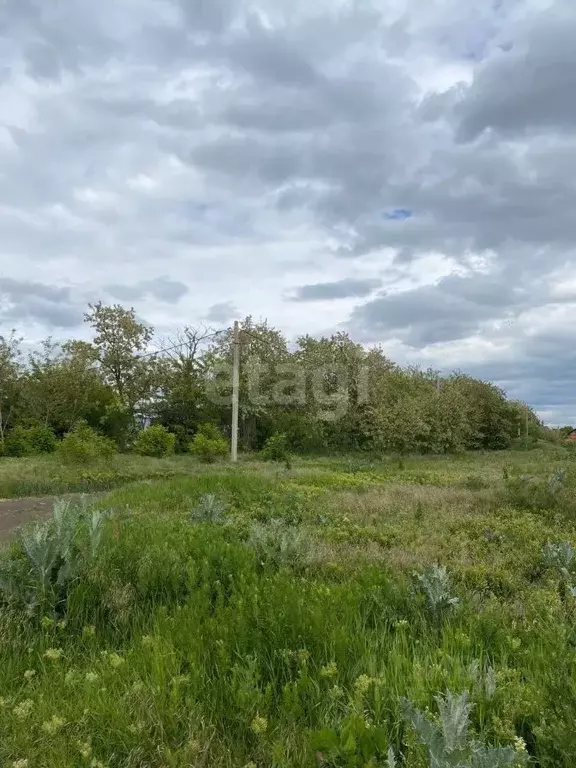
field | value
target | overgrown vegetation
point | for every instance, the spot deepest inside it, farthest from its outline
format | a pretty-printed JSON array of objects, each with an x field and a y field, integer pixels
[
  {"x": 344, "y": 613},
  {"x": 327, "y": 394}
]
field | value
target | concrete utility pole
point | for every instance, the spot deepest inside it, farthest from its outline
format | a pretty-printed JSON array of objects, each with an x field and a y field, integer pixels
[{"x": 235, "y": 392}]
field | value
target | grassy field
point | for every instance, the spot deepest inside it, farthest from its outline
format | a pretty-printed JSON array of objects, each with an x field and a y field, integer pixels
[{"x": 265, "y": 617}]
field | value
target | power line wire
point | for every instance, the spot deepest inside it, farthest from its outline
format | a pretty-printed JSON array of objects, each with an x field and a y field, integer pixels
[{"x": 179, "y": 346}]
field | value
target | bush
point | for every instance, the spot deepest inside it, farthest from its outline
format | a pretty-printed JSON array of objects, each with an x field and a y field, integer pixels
[
  {"x": 155, "y": 441},
  {"x": 276, "y": 449},
  {"x": 82, "y": 445},
  {"x": 30, "y": 441},
  {"x": 208, "y": 444}
]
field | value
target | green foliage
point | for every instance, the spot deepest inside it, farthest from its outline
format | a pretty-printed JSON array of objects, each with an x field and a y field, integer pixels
[
  {"x": 83, "y": 445},
  {"x": 155, "y": 441},
  {"x": 276, "y": 449},
  {"x": 208, "y": 510},
  {"x": 46, "y": 558},
  {"x": 435, "y": 585},
  {"x": 447, "y": 743},
  {"x": 30, "y": 441},
  {"x": 208, "y": 444}
]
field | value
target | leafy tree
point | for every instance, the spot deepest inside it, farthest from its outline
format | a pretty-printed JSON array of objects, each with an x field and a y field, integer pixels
[
  {"x": 119, "y": 346},
  {"x": 10, "y": 373}
]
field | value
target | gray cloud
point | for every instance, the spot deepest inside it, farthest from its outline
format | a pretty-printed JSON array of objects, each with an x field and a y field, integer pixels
[
  {"x": 452, "y": 309},
  {"x": 50, "y": 305},
  {"x": 526, "y": 87},
  {"x": 216, "y": 141},
  {"x": 163, "y": 289},
  {"x": 221, "y": 313},
  {"x": 340, "y": 289}
]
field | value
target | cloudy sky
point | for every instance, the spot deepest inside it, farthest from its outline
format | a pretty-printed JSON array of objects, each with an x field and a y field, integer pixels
[{"x": 399, "y": 169}]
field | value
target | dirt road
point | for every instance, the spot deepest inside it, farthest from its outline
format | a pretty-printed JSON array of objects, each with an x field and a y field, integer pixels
[{"x": 15, "y": 512}]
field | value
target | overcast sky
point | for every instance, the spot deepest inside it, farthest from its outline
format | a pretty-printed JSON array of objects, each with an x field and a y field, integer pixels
[{"x": 399, "y": 169}]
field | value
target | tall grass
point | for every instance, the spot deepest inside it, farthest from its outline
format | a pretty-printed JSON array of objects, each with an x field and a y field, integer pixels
[{"x": 189, "y": 638}]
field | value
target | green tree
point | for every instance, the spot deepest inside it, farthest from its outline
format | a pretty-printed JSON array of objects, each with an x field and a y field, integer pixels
[
  {"x": 10, "y": 380},
  {"x": 120, "y": 344}
]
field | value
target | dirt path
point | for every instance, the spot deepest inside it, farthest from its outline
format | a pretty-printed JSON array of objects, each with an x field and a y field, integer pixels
[{"x": 15, "y": 512}]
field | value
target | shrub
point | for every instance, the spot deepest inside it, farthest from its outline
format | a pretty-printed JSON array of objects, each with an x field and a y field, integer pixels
[
  {"x": 82, "y": 445},
  {"x": 208, "y": 444},
  {"x": 276, "y": 449},
  {"x": 30, "y": 441},
  {"x": 209, "y": 510},
  {"x": 155, "y": 441}
]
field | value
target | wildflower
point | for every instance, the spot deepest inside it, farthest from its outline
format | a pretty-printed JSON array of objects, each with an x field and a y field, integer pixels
[
  {"x": 259, "y": 725},
  {"x": 70, "y": 677},
  {"x": 89, "y": 631},
  {"x": 53, "y": 654},
  {"x": 147, "y": 641},
  {"x": 335, "y": 692},
  {"x": 97, "y": 764},
  {"x": 115, "y": 660},
  {"x": 137, "y": 686},
  {"x": 251, "y": 765},
  {"x": 303, "y": 656},
  {"x": 53, "y": 725},
  {"x": 2, "y": 702},
  {"x": 136, "y": 727},
  {"x": 29, "y": 674},
  {"x": 362, "y": 684},
  {"x": 91, "y": 677},
  {"x": 47, "y": 622},
  {"x": 519, "y": 744},
  {"x": 330, "y": 670},
  {"x": 23, "y": 709},
  {"x": 401, "y": 624},
  {"x": 62, "y": 624},
  {"x": 22, "y": 763},
  {"x": 85, "y": 749}
]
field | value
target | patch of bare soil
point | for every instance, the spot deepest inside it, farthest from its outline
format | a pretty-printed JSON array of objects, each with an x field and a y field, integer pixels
[{"x": 15, "y": 512}]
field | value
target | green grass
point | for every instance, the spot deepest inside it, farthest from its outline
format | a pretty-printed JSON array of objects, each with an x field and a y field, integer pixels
[{"x": 287, "y": 635}]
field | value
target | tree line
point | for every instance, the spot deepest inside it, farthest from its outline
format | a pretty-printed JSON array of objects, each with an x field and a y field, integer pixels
[{"x": 324, "y": 394}]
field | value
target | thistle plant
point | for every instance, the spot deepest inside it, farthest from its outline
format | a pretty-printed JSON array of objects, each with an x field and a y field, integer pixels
[
  {"x": 447, "y": 742},
  {"x": 209, "y": 510},
  {"x": 278, "y": 542},
  {"x": 435, "y": 585},
  {"x": 49, "y": 555}
]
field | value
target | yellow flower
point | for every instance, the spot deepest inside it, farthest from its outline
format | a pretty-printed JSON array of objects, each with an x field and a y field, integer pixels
[
  {"x": 53, "y": 725},
  {"x": 29, "y": 674},
  {"x": 47, "y": 622},
  {"x": 85, "y": 749},
  {"x": 22, "y": 763},
  {"x": 330, "y": 670},
  {"x": 23, "y": 709},
  {"x": 362, "y": 684},
  {"x": 115, "y": 660},
  {"x": 519, "y": 744},
  {"x": 91, "y": 677},
  {"x": 53, "y": 654},
  {"x": 259, "y": 725}
]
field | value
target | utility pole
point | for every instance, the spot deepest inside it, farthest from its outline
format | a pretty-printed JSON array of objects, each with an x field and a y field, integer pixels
[{"x": 235, "y": 392}]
